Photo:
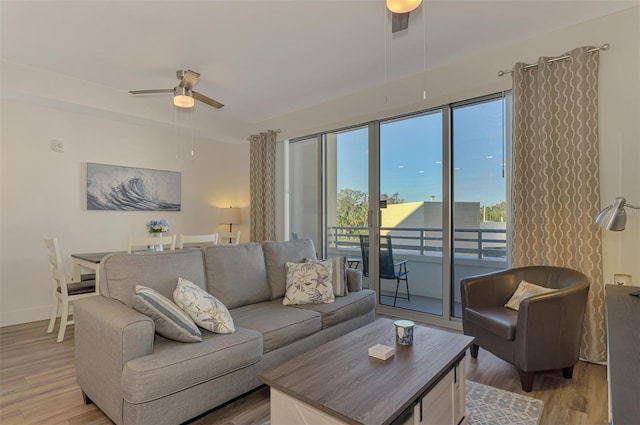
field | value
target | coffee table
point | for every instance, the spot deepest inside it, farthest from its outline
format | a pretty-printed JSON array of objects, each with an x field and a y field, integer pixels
[{"x": 338, "y": 383}]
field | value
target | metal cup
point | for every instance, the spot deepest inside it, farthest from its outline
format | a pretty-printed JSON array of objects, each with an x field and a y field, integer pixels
[{"x": 404, "y": 332}]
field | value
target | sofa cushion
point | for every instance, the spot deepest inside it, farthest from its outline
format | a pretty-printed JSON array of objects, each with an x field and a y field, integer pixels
[
  {"x": 277, "y": 254},
  {"x": 343, "y": 308},
  {"x": 309, "y": 283},
  {"x": 120, "y": 273},
  {"x": 500, "y": 321},
  {"x": 280, "y": 325},
  {"x": 236, "y": 274},
  {"x": 205, "y": 309},
  {"x": 175, "y": 366},
  {"x": 171, "y": 322}
]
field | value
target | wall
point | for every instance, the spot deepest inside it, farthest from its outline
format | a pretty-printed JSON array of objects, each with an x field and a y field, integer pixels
[
  {"x": 43, "y": 192},
  {"x": 472, "y": 76}
]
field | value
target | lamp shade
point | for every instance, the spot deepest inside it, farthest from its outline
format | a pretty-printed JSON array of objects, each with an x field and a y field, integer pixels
[
  {"x": 182, "y": 98},
  {"x": 229, "y": 216},
  {"x": 614, "y": 216},
  {"x": 402, "y": 6}
]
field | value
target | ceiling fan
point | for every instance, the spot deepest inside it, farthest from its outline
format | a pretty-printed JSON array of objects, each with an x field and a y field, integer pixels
[{"x": 183, "y": 94}]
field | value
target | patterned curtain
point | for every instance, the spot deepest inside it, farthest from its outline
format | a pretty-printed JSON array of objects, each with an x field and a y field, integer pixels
[
  {"x": 555, "y": 190},
  {"x": 262, "y": 181}
]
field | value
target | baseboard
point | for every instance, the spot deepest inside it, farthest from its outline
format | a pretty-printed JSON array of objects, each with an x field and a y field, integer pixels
[{"x": 18, "y": 317}]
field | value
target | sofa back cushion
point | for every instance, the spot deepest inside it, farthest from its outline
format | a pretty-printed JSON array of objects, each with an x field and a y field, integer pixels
[
  {"x": 120, "y": 273},
  {"x": 277, "y": 254},
  {"x": 236, "y": 274}
]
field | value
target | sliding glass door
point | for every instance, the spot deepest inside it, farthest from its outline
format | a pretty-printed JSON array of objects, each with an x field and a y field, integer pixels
[
  {"x": 347, "y": 193},
  {"x": 411, "y": 189},
  {"x": 480, "y": 214},
  {"x": 415, "y": 202}
]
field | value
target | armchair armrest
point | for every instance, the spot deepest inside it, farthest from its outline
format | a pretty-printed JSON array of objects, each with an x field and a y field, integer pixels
[
  {"x": 553, "y": 319},
  {"x": 108, "y": 334}
]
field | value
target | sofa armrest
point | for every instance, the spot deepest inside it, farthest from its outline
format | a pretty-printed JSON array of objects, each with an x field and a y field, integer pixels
[
  {"x": 107, "y": 335},
  {"x": 554, "y": 319}
]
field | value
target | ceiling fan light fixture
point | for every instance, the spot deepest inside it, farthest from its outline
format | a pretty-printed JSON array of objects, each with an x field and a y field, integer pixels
[
  {"x": 183, "y": 98},
  {"x": 403, "y": 6}
]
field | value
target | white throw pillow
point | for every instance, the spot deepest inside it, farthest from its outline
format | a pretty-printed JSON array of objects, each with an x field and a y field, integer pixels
[
  {"x": 308, "y": 283},
  {"x": 338, "y": 276},
  {"x": 207, "y": 311},
  {"x": 525, "y": 290},
  {"x": 171, "y": 322}
]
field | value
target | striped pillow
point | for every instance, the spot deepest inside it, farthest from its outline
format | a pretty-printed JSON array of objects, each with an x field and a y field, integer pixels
[
  {"x": 339, "y": 276},
  {"x": 171, "y": 322}
]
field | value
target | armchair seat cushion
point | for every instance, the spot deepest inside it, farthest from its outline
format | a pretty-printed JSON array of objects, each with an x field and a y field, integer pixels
[
  {"x": 500, "y": 321},
  {"x": 175, "y": 366}
]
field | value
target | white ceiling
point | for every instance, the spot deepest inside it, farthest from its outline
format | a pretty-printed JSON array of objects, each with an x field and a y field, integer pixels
[{"x": 263, "y": 59}]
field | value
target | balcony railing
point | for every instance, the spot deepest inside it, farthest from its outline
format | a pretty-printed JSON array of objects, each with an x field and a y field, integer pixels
[{"x": 475, "y": 243}]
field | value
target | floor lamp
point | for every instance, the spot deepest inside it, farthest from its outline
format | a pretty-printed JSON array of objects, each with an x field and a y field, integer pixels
[
  {"x": 614, "y": 217},
  {"x": 230, "y": 216}
]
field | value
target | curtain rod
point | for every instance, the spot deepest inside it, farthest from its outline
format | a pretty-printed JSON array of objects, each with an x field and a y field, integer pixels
[{"x": 531, "y": 65}]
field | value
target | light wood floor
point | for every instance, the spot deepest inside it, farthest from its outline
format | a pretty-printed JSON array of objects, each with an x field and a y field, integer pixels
[{"x": 38, "y": 386}]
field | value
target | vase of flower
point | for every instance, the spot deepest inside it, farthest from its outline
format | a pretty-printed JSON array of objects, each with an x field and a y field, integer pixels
[
  {"x": 159, "y": 247},
  {"x": 157, "y": 228}
]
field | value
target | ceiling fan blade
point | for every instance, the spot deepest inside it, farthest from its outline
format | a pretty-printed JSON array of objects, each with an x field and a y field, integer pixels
[
  {"x": 207, "y": 100},
  {"x": 151, "y": 91},
  {"x": 189, "y": 79}
]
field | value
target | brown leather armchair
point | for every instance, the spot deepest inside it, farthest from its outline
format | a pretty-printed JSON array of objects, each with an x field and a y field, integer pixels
[{"x": 544, "y": 334}]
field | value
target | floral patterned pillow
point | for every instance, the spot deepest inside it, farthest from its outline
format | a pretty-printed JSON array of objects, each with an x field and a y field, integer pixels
[
  {"x": 208, "y": 312},
  {"x": 308, "y": 283},
  {"x": 525, "y": 290}
]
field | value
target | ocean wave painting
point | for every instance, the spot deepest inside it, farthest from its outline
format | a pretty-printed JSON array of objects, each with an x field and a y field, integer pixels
[{"x": 111, "y": 187}]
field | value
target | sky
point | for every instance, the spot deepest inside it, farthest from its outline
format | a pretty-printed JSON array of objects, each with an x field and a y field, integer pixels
[{"x": 411, "y": 156}]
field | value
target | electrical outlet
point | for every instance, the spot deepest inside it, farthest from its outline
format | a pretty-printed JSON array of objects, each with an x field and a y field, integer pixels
[{"x": 57, "y": 146}]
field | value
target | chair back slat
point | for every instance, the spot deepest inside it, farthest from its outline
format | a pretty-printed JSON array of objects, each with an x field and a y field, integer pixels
[{"x": 197, "y": 239}]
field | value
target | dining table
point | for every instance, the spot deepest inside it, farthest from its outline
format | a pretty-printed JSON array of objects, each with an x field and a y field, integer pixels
[{"x": 88, "y": 261}]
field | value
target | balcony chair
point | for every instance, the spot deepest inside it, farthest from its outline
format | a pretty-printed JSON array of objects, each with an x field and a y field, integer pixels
[
  {"x": 199, "y": 240},
  {"x": 389, "y": 269},
  {"x": 544, "y": 334},
  {"x": 148, "y": 241},
  {"x": 64, "y": 293}
]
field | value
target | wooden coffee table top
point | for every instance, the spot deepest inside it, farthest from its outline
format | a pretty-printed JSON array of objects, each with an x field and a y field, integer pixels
[{"x": 341, "y": 379}]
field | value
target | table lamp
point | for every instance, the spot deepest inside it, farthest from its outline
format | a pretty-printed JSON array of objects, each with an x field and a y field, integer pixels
[{"x": 230, "y": 216}]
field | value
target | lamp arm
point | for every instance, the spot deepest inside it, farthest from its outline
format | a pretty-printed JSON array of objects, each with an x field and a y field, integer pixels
[{"x": 632, "y": 206}]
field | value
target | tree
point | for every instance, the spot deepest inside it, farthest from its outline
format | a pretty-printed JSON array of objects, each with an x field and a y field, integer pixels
[
  {"x": 497, "y": 212},
  {"x": 393, "y": 199},
  {"x": 352, "y": 207}
]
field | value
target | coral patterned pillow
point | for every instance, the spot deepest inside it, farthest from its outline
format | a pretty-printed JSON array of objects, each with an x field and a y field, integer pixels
[
  {"x": 207, "y": 311},
  {"x": 308, "y": 283}
]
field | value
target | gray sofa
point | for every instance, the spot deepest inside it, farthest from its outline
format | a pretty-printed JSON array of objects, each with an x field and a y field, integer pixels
[{"x": 138, "y": 377}]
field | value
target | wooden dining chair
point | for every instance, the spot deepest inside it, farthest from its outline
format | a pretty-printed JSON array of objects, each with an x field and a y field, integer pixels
[
  {"x": 64, "y": 293},
  {"x": 197, "y": 239},
  {"x": 148, "y": 241}
]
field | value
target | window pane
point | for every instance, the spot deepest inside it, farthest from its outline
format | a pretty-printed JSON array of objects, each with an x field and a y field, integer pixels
[
  {"x": 479, "y": 192},
  {"x": 347, "y": 196},
  {"x": 411, "y": 184},
  {"x": 303, "y": 189}
]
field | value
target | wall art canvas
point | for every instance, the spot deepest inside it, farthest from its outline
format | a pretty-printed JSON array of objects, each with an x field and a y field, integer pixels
[{"x": 112, "y": 187}]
